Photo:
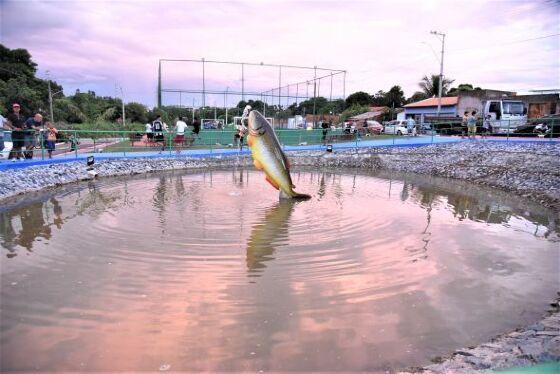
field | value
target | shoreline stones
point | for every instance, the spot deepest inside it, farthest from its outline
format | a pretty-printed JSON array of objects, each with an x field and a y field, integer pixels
[{"x": 528, "y": 170}]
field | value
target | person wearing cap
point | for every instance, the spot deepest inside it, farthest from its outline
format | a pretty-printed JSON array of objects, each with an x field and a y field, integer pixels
[
  {"x": 16, "y": 123},
  {"x": 32, "y": 125},
  {"x": 245, "y": 115}
]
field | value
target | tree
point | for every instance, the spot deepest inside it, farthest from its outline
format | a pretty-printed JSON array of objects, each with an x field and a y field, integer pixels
[
  {"x": 417, "y": 96},
  {"x": 353, "y": 111},
  {"x": 135, "y": 112},
  {"x": 395, "y": 97},
  {"x": 358, "y": 98},
  {"x": 430, "y": 85},
  {"x": 463, "y": 87}
]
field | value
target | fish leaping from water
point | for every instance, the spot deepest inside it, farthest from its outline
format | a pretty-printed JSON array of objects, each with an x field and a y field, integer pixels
[{"x": 269, "y": 157}]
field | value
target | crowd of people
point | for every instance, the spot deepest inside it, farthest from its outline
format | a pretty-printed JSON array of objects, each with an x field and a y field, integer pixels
[
  {"x": 156, "y": 130},
  {"x": 27, "y": 134}
]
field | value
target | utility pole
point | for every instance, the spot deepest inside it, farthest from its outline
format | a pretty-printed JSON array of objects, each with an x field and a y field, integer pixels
[
  {"x": 159, "y": 85},
  {"x": 122, "y": 103},
  {"x": 436, "y": 33},
  {"x": 50, "y": 97},
  {"x": 225, "y": 105}
]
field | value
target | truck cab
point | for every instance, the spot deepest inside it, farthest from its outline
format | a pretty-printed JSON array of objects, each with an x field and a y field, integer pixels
[{"x": 505, "y": 115}]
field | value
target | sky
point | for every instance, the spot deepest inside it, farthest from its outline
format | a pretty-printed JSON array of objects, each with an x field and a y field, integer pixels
[{"x": 96, "y": 45}]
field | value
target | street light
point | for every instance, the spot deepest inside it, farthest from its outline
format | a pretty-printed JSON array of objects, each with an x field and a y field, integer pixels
[{"x": 442, "y": 35}]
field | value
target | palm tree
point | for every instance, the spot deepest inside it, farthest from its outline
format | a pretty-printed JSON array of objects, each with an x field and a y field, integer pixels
[{"x": 430, "y": 86}]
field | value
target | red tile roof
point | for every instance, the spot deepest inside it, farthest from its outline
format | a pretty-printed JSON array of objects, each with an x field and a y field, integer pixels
[{"x": 433, "y": 101}]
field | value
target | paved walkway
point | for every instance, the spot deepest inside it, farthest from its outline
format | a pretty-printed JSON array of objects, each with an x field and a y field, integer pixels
[{"x": 215, "y": 152}]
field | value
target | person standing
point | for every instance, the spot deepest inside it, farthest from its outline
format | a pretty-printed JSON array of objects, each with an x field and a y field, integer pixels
[
  {"x": 157, "y": 128},
  {"x": 486, "y": 128},
  {"x": 325, "y": 125},
  {"x": 196, "y": 126},
  {"x": 16, "y": 123},
  {"x": 410, "y": 126},
  {"x": 238, "y": 137},
  {"x": 180, "y": 127},
  {"x": 471, "y": 125},
  {"x": 32, "y": 125},
  {"x": 464, "y": 124},
  {"x": 51, "y": 138},
  {"x": 149, "y": 133}
]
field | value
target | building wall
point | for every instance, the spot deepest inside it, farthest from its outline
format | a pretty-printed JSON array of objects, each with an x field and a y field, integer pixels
[
  {"x": 469, "y": 103},
  {"x": 418, "y": 113}
]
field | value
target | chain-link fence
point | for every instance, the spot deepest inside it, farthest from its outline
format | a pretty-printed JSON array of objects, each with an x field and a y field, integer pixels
[{"x": 72, "y": 143}]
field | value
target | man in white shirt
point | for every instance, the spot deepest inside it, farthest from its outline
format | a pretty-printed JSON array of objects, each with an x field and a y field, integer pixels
[{"x": 180, "y": 127}]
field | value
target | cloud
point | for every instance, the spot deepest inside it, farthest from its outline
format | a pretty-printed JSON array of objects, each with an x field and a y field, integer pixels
[{"x": 380, "y": 44}]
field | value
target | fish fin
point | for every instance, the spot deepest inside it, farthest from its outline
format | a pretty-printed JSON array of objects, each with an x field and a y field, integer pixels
[
  {"x": 250, "y": 143},
  {"x": 272, "y": 183},
  {"x": 257, "y": 164}
]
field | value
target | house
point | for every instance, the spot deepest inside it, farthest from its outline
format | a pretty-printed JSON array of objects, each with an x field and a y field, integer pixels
[
  {"x": 453, "y": 107},
  {"x": 429, "y": 107},
  {"x": 540, "y": 105},
  {"x": 311, "y": 119},
  {"x": 376, "y": 113}
]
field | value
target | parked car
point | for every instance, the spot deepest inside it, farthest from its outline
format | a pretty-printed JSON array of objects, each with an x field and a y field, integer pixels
[
  {"x": 397, "y": 127},
  {"x": 374, "y": 127}
]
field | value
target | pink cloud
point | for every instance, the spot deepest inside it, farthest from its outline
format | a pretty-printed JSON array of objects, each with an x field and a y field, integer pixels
[{"x": 96, "y": 43}]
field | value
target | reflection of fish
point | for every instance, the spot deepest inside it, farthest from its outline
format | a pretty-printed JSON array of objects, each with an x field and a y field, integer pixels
[
  {"x": 267, "y": 234},
  {"x": 269, "y": 157}
]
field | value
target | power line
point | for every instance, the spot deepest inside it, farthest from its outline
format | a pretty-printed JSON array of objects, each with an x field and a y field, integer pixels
[{"x": 507, "y": 43}]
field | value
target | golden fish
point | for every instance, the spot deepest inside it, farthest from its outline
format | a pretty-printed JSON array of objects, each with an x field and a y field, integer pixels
[{"x": 269, "y": 157}]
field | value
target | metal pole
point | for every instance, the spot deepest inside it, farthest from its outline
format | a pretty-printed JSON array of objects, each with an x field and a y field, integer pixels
[
  {"x": 159, "y": 85},
  {"x": 180, "y": 104},
  {"x": 314, "y": 95},
  {"x": 50, "y": 99},
  {"x": 203, "y": 86},
  {"x": 123, "y": 111},
  {"x": 440, "y": 69},
  {"x": 297, "y": 92},
  {"x": 344, "y": 86},
  {"x": 243, "y": 82},
  {"x": 225, "y": 104},
  {"x": 279, "y": 85},
  {"x": 193, "y": 109},
  {"x": 330, "y": 97}
]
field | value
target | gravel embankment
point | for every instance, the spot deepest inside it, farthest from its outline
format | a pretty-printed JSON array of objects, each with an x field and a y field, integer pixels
[{"x": 528, "y": 170}]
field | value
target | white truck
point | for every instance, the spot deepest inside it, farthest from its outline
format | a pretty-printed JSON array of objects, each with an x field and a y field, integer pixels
[{"x": 504, "y": 115}]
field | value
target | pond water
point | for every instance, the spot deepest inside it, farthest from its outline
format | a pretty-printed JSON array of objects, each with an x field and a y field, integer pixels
[{"x": 208, "y": 271}]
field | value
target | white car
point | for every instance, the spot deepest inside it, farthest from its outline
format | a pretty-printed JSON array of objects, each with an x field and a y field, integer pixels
[{"x": 397, "y": 127}]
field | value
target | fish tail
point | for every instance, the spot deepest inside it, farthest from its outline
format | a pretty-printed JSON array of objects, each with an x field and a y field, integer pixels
[
  {"x": 301, "y": 196},
  {"x": 293, "y": 195}
]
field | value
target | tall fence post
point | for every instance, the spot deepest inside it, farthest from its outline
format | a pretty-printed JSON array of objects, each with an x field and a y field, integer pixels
[
  {"x": 76, "y": 144},
  {"x": 42, "y": 135},
  {"x": 507, "y": 136}
]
